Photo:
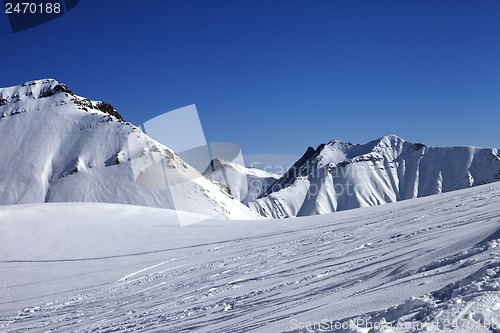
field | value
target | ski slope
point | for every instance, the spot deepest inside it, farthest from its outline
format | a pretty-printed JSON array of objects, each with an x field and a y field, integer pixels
[{"x": 89, "y": 267}]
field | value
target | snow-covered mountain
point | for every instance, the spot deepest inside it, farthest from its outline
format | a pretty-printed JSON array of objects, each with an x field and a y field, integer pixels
[
  {"x": 60, "y": 147},
  {"x": 244, "y": 184},
  {"x": 339, "y": 176}
]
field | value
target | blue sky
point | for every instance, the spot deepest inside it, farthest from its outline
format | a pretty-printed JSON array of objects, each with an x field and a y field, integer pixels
[{"x": 278, "y": 76}]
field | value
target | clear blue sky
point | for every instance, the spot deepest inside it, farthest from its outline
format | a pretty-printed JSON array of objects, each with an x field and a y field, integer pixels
[{"x": 278, "y": 76}]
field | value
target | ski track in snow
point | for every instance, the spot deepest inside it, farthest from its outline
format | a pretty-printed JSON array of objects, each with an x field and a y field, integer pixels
[{"x": 262, "y": 274}]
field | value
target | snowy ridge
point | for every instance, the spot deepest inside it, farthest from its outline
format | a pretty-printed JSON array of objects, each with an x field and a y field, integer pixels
[
  {"x": 59, "y": 147},
  {"x": 106, "y": 267},
  {"x": 339, "y": 176},
  {"x": 244, "y": 184}
]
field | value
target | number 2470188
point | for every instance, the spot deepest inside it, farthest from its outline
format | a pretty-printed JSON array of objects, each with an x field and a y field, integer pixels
[{"x": 32, "y": 8}]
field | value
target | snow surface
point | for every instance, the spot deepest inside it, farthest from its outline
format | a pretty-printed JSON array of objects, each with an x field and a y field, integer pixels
[
  {"x": 88, "y": 267},
  {"x": 339, "y": 176},
  {"x": 60, "y": 147}
]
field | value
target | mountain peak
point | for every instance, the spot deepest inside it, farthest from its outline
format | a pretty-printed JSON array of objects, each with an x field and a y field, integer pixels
[
  {"x": 215, "y": 164},
  {"x": 391, "y": 137},
  {"x": 32, "y": 90},
  {"x": 46, "y": 81},
  {"x": 390, "y": 140},
  {"x": 18, "y": 97},
  {"x": 44, "y": 87}
]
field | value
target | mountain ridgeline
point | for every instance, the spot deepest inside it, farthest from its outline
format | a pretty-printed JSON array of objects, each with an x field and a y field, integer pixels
[
  {"x": 339, "y": 176},
  {"x": 60, "y": 147}
]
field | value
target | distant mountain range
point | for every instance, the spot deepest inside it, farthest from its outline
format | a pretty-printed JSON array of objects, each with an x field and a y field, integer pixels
[
  {"x": 339, "y": 176},
  {"x": 57, "y": 147}
]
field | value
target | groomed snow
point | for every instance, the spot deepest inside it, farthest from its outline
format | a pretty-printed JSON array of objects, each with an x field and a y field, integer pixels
[{"x": 108, "y": 267}]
